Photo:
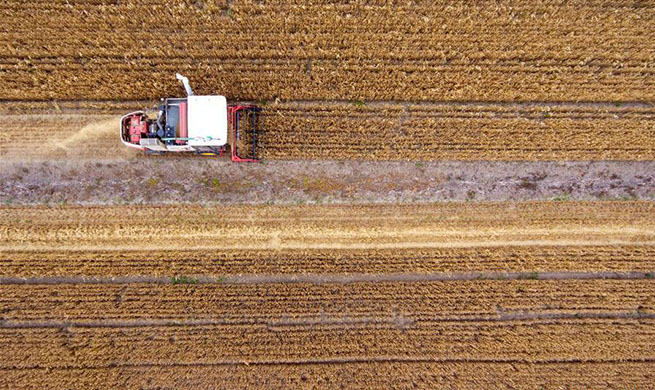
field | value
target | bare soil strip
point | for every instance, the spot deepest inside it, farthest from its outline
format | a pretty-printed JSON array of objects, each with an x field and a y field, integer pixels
[
  {"x": 341, "y": 321},
  {"x": 209, "y": 181}
]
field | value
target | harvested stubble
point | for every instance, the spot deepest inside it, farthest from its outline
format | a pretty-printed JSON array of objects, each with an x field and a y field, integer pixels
[
  {"x": 511, "y": 258},
  {"x": 326, "y": 227},
  {"x": 56, "y": 136},
  {"x": 79, "y": 333},
  {"x": 287, "y": 304},
  {"x": 549, "y": 341},
  {"x": 453, "y": 326},
  {"x": 524, "y": 237},
  {"x": 368, "y": 50}
]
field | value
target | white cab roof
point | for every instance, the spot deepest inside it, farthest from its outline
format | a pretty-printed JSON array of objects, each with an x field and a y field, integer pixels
[{"x": 207, "y": 120}]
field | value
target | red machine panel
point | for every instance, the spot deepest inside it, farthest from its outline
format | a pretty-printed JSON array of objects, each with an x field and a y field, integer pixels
[
  {"x": 138, "y": 127},
  {"x": 184, "y": 120}
]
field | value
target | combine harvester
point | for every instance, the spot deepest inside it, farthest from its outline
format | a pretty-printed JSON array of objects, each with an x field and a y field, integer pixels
[{"x": 195, "y": 124}]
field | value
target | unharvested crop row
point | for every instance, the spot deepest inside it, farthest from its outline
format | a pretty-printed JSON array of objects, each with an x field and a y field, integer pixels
[
  {"x": 307, "y": 50},
  {"x": 385, "y": 109},
  {"x": 355, "y": 375},
  {"x": 592, "y": 340},
  {"x": 89, "y": 107},
  {"x": 390, "y": 132},
  {"x": 169, "y": 262},
  {"x": 277, "y": 304}
]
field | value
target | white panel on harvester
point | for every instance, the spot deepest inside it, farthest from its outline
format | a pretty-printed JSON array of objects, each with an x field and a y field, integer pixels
[{"x": 207, "y": 120}]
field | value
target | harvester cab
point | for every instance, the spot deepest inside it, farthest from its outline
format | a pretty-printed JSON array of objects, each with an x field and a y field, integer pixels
[{"x": 205, "y": 125}]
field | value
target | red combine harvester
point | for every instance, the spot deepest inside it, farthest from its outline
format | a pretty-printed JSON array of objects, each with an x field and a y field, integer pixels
[{"x": 205, "y": 125}]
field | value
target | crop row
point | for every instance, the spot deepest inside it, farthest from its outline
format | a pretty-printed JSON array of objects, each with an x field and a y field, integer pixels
[
  {"x": 356, "y": 375},
  {"x": 589, "y": 51},
  {"x": 380, "y": 131},
  {"x": 473, "y": 132},
  {"x": 275, "y": 304},
  {"x": 168, "y": 262},
  {"x": 479, "y": 215},
  {"x": 257, "y": 228},
  {"x": 392, "y": 339}
]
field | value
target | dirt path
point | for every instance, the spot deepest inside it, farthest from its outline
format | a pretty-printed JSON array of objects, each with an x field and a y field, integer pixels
[{"x": 113, "y": 181}]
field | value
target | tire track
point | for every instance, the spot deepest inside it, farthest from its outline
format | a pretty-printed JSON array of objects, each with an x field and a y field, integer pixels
[{"x": 329, "y": 278}]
